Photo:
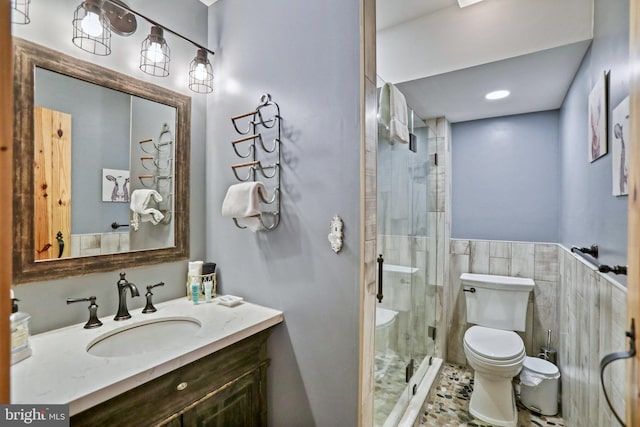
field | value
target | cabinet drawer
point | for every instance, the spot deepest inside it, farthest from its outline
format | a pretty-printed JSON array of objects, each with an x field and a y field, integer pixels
[{"x": 150, "y": 403}]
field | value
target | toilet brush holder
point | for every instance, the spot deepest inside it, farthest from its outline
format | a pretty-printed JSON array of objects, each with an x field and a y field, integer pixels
[{"x": 549, "y": 354}]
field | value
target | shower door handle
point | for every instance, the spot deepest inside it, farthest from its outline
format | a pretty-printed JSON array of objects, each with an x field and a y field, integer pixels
[{"x": 380, "y": 264}]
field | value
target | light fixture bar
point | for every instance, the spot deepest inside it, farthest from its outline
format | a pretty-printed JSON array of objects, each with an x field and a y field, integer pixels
[{"x": 152, "y": 22}]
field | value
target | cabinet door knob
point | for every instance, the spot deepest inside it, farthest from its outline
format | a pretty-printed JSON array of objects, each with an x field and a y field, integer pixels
[{"x": 182, "y": 386}]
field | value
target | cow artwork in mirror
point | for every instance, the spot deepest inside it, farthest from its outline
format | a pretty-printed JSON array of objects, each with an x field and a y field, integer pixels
[{"x": 108, "y": 187}]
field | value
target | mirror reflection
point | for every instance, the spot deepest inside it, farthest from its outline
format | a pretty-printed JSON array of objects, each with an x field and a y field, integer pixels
[
  {"x": 103, "y": 170},
  {"x": 109, "y": 186}
]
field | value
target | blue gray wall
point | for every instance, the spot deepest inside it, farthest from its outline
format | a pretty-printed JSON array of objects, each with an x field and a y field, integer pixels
[
  {"x": 99, "y": 139},
  {"x": 51, "y": 26},
  {"x": 588, "y": 212},
  {"x": 505, "y": 178},
  {"x": 306, "y": 54}
]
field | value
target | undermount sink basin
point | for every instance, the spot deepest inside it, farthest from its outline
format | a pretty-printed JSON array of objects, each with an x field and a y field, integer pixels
[{"x": 144, "y": 337}]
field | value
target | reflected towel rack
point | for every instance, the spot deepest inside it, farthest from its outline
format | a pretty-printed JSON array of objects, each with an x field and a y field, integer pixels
[
  {"x": 160, "y": 164},
  {"x": 592, "y": 251},
  {"x": 264, "y": 119},
  {"x": 115, "y": 225}
]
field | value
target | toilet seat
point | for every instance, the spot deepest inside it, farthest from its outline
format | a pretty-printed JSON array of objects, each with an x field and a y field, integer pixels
[
  {"x": 385, "y": 317},
  {"x": 494, "y": 346}
]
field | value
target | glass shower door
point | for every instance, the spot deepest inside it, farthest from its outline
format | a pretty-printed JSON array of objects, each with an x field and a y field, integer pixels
[{"x": 401, "y": 338}]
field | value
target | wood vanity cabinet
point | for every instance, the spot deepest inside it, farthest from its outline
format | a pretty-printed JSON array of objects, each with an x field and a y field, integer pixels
[{"x": 225, "y": 389}]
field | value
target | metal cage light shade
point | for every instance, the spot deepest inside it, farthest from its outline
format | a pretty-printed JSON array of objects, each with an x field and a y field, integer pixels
[
  {"x": 20, "y": 11},
  {"x": 201, "y": 73},
  {"x": 91, "y": 29},
  {"x": 155, "y": 54}
]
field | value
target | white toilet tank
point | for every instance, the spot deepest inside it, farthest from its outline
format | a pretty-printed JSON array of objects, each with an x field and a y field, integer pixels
[{"x": 497, "y": 301}]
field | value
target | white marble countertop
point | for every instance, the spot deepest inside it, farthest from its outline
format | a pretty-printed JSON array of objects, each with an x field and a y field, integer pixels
[{"x": 60, "y": 371}]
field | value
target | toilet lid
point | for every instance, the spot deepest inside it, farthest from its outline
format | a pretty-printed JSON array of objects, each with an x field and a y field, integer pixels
[
  {"x": 540, "y": 366},
  {"x": 493, "y": 343}
]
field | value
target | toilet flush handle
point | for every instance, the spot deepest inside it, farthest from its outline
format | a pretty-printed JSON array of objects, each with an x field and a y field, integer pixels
[{"x": 472, "y": 290}]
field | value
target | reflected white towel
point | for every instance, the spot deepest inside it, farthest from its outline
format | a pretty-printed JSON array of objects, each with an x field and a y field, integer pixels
[
  {"x": 140, "y": 200},
  {"x": 242, "y": 202},
  {"x": 393, "y": 113}
]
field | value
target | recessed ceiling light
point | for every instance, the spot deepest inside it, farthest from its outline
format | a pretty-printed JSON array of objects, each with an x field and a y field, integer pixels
[
  {"x": 465, "y": 3},
  {"x": 497, "y": 94}
]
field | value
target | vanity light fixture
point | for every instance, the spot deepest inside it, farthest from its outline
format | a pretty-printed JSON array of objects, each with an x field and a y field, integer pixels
[
  {"x": 20, "y": 11},
  {"x": 497, "y": 94},
  {"x": 95, "y": 20},
  {"x": 201, "y": 73},
  {"x": 91, "y": 29},
  {"x": 155, "y": 53}
]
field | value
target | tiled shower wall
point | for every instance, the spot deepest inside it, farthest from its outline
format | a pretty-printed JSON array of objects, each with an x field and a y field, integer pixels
[
  {"x": 585, "y": 310},
  {"x": 439, "y": 146}
]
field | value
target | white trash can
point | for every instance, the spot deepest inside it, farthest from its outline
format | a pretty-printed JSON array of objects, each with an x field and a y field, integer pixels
[{"x": 539, "y": 385}]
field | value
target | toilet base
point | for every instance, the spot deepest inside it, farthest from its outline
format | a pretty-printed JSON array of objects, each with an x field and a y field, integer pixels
[{"x": 493, "y": 401}]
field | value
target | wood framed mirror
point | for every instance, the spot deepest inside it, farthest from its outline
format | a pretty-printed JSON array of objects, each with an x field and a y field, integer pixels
[{"x": 55, "y": 252}]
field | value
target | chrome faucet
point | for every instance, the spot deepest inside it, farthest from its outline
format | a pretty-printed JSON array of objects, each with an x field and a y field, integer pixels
[{"x": 123, "y": 284}]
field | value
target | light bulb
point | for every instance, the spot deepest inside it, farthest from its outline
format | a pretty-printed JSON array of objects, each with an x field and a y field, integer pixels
[
  {"x": 200, "y": 73},
  {"x": 91, "y": 24},
  {"x": 154, "y": 53}
]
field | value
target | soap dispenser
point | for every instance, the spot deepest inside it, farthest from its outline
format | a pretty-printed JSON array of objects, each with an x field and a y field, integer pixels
[{"x": 20, "y": 348}]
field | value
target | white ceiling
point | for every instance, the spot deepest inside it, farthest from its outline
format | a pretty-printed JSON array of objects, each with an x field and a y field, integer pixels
[{"x": 445, "y": 59}]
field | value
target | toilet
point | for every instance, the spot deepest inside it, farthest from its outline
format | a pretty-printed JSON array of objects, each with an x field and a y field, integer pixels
[
  {"x": 385, "y": 321},
  {"x": 497, "y": 306}
]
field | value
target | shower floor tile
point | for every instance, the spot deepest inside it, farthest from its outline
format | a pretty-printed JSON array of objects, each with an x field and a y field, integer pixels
[{"x": 448, "y": 403}]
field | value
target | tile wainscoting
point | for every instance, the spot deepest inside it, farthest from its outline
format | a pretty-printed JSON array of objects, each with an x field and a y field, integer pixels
[
  {"x": 586, "y": 311},
  {"x": 99, "y": 243}
]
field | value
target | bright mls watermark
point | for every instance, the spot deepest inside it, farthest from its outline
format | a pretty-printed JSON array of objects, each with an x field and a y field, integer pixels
[{"x": 34, "y": 415}]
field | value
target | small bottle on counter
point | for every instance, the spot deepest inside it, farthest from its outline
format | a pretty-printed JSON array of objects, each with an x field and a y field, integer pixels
[
  {"x": 208, "y": 288},
  {"x": 195, "y": 289},
  {"x": 20, "y": 347}
]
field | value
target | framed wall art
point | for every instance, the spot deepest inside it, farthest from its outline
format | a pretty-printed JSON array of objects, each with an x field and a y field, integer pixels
[
  {"x": 598, "y": 119},
  {"x": 619, "y": 148}
]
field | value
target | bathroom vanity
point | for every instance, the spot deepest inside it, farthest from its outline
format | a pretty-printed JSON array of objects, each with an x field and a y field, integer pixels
[{"x": 214, "y": 374}]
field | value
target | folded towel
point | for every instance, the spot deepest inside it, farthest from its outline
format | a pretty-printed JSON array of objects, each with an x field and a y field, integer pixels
[
  {"x": 242, "y": 202},
  {"x": 393, "y": 113},
  {"x": 208, "y": 267},
  {"x": 195, "y": 268},
  {"x": 140, "y": 200}
]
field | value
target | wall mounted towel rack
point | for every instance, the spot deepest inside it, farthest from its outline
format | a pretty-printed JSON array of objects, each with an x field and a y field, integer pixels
[
  {"x": 160, "y": 163},
  {"x": 261, "y": 157},
  {"x": 592, "y": 251}
]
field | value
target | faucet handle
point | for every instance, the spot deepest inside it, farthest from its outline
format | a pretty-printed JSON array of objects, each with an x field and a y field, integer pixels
[
  {"x": 122, "y": 281},
  {"x": 93, "y": 321},
  {"x": 149, "y": 308}
]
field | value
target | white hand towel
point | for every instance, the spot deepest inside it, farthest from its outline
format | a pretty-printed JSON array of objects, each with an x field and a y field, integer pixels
[
  {"x": 140, "y": 200},
  {"x": 195, "y": 268},
  {"x": 393, "y": 113},
  {"x": 242, "y": 202}
]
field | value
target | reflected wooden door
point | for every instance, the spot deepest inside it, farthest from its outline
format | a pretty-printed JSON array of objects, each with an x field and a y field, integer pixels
[
  {"x": 52, "y": 184},
  {"x": 633, "y": 253}
]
